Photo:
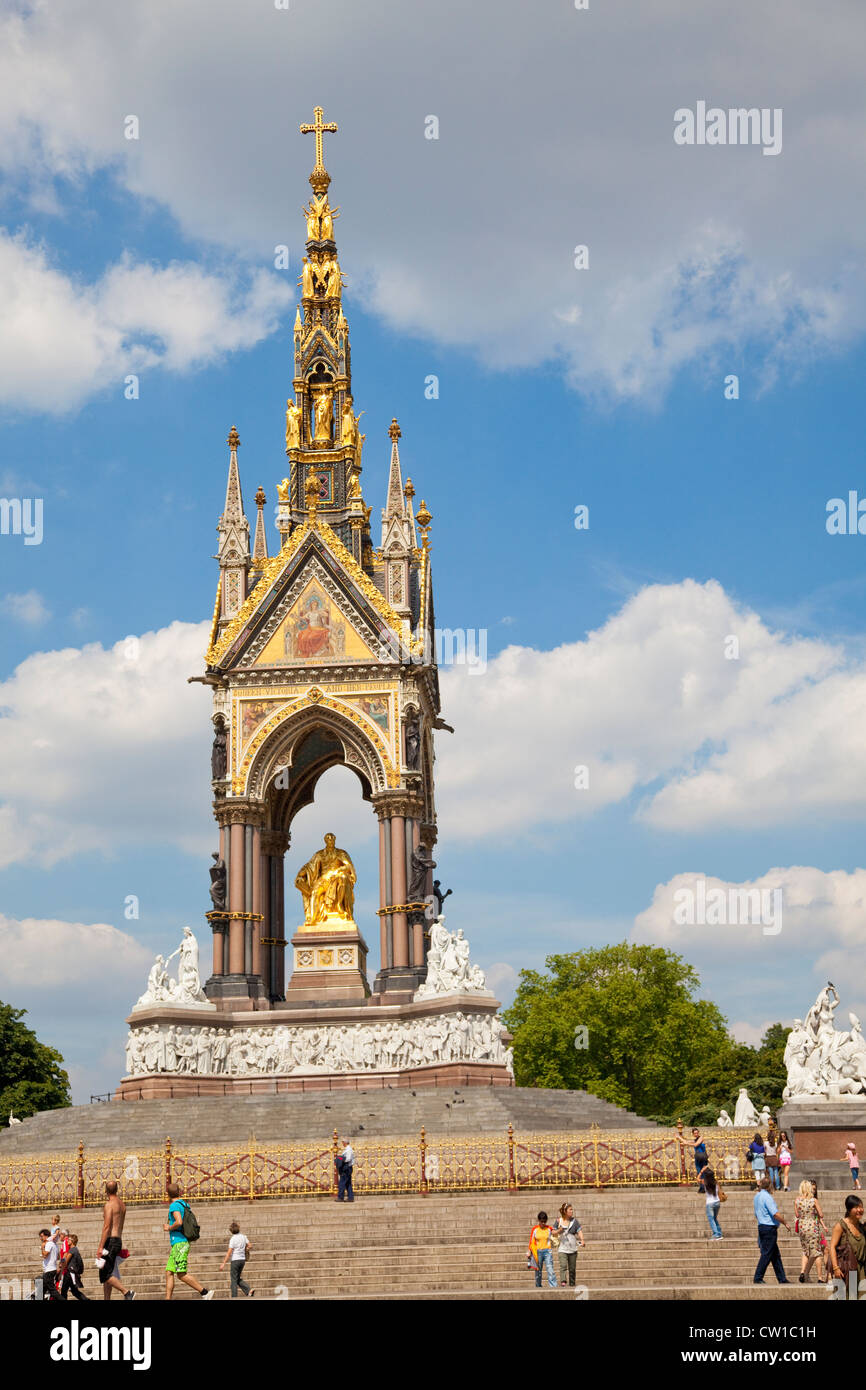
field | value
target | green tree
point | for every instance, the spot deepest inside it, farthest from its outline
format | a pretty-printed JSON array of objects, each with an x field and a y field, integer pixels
[
  {"x": 716, "y": 1078},
  {"x": 644, "y": 1028},
  {"x": 32, "y": 1076}
]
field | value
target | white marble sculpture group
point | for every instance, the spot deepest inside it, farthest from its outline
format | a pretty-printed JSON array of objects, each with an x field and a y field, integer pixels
[
  {"x": 186, "y": 989},
  {"x": 745, "y": 1114},
  {"x": 304, "y": 1050},
  {"x": 449, "y": 970},
  {"x": 825, "y": 1062}
]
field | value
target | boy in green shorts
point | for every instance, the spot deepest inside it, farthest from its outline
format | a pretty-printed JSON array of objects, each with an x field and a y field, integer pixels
[{"x": 179, "y": 1248}]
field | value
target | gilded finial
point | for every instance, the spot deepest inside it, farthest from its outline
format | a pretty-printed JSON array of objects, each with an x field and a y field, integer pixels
[
  {"x": 394, "y": 430},
  {"x": 298, "y": 324},
  {"x": 234, "y": 438},
  {"x": 423, "y": 519},
  {"x": 408, "y": 491},
  {"x": 319, "y": 177},
  {"x": 260, "y": 499}
]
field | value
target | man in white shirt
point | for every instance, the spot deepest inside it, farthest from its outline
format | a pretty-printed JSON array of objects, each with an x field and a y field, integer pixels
[{"x": 345, "y": 1164}]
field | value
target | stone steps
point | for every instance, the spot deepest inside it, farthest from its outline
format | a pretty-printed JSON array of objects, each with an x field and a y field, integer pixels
[
  {"x": 469, "y": 1246},
  {"x": 298, "y": 1117}
]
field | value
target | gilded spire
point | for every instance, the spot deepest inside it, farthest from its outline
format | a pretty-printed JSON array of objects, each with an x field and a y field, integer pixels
[
  {"x": 319, "y": 178},
  {"x": 260, "y": 544}
]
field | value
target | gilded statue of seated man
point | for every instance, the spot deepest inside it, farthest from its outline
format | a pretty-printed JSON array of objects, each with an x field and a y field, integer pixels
[{"x": 326, "y": 885}]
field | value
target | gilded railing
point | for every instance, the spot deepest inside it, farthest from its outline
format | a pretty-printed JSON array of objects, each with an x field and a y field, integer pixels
[{"x": 435, "y": 1163}]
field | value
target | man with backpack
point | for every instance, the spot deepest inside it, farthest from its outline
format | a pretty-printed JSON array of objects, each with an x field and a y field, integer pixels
[{"x": 182, "y": 1228}]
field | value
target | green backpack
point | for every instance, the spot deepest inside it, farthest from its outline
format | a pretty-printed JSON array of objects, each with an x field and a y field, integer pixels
[{"x": 190, "y": 1227}]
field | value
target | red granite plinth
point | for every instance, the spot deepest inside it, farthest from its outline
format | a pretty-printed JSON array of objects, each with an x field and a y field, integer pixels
[{"x": 448, "y": 1074}]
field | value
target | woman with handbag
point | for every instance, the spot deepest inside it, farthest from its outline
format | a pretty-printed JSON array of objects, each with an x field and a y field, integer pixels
[
  {"x": 848, "y": 1246},
  {"x": 771, "y": 1156}
]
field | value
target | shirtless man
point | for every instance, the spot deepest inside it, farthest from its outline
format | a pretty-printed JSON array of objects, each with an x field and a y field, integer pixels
[{"x": 110, "y": 1242}]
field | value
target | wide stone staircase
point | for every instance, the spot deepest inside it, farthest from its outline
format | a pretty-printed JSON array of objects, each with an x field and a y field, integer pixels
[
  {"x": 641, "y": 1245},
  {"x": 225, "y": 1120}
]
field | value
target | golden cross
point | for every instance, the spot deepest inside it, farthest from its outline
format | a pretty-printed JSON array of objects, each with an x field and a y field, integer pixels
[{"x": 318, "y": 128}]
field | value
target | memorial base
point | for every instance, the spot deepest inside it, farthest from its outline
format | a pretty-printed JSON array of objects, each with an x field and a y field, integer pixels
[
  {"x": 330, "y": 964},
  {"x": 455, "y": 1039},
  {"x": 820, "y": 1129}
]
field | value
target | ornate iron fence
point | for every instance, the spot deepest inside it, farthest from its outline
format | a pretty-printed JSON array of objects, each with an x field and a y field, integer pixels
[{"x": 442, "y": 1163}]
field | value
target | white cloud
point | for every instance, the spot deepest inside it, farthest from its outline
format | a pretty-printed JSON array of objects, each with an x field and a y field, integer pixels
[
  {"x": 556, "y": 129},
  {"x": 29, "y": 608},
  {"x": 652, "y": 707},
  {"x": 752, "y": 1033},
  {"x": 102, "y": 749},
  {"x": 38, "y": 954},
  {"x": 134, "y": 318},
  {"x": 821, "y": 938},
  {"x": 77, "y": 982},
  {"x": 648, "y": 703}
]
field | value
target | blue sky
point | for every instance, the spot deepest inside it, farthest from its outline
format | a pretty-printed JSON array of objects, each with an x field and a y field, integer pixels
[{"x": 119, "y": 261}]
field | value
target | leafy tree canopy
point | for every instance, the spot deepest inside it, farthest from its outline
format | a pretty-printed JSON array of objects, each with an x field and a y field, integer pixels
[
  {"x": 32, "y": 1076},
  {"x": 645, "y": 1030}
]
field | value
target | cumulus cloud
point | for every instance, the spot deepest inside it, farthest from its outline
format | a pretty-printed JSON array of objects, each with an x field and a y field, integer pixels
[
  {"x": 555, "y": 130},
  {"x": 656, "y": 710},
  {"x": 821, "y": 937},
  {"x": 38, "y": 954},
  {"x": 134, "y": 317},
  {"x": 77, "y": 982},
  {"x": 28, "y": 608},
  {"x": 105, "y": 748}
]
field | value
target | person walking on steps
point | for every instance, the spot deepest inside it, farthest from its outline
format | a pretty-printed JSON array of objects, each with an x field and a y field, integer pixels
[
  {"x": 237, "y": 1254},
  {"x": 541, "y": 1251},
  {"x": 570, "y": 1235},
  {"x": 111, "y": 1243},
  {"x": 72, "y": 1272},
  {"x": 769, "y": 1221},
  {"x": 178, "y": 1254},
  {"x": 713, "y": 1200},
  {"x": 853, "y": 1163}
]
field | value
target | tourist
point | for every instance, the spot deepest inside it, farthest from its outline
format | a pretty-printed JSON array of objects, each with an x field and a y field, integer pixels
[
  {"x": 72, "y": 1273},
  {"x": 771, "y": 1157},
  {"x": 110, "y": 1243},
  {"x": 713, "y": 1201},
  {"x": 178, "y": 1254},
  {"x": 570, "y": 1234},
  {"x": 769, "y": 1221},
  {"x": 237, "y": 1254},
  {"x": 757, "y": 1157},
  {"x": 848, "y": 1246},
  {"x": 345, "y": 1164},
  {"x": 853, "y": 1163},
  {"x": 699, "y": 1153},
  {"x": 810, "y": 1221},
  {"x": 48, "y": 1249},
  {"x": 784, "y": 1159},
  {"x": 541, "y": 1250}
]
